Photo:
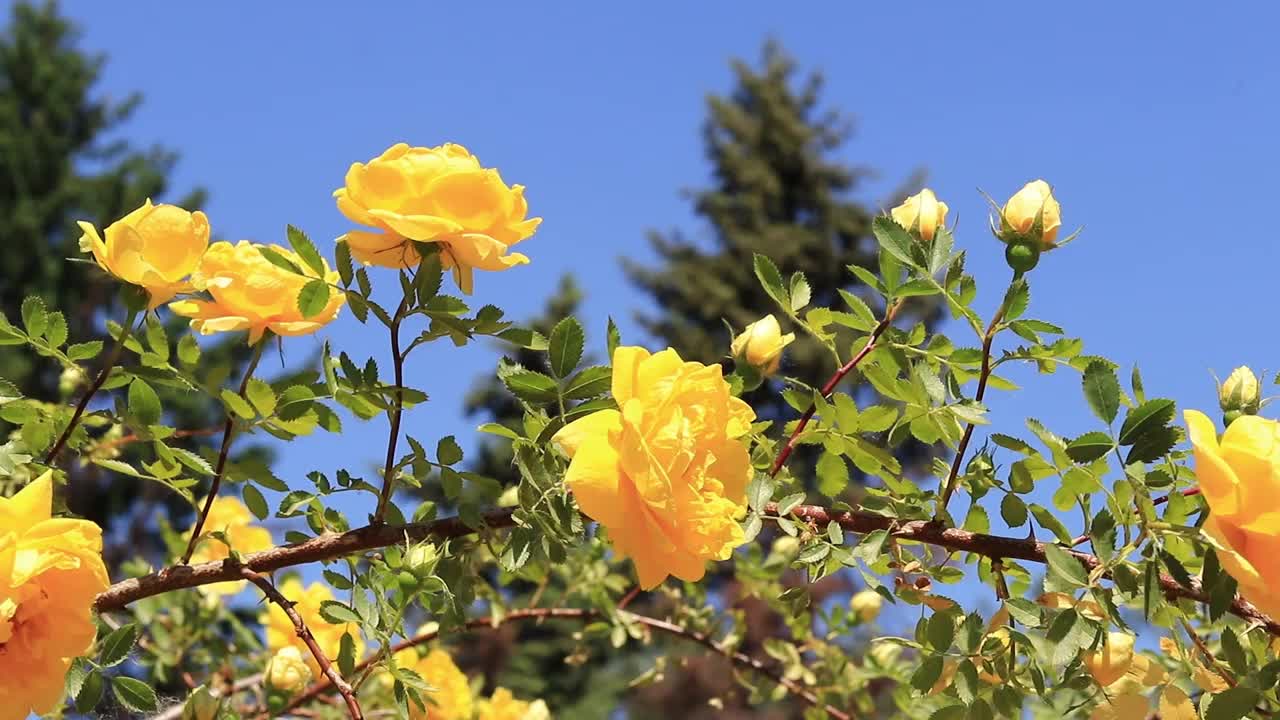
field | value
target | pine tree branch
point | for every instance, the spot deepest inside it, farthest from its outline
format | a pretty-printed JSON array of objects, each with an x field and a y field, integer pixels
[
  {"x": 304, "y": 633},
  {"x": 331, "y": 546}
]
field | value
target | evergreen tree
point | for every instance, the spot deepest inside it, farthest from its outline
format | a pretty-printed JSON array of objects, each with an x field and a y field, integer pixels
[{"x": 63, "y": 161}]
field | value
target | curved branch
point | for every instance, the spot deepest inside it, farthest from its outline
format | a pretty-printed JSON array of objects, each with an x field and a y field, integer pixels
[
  {"x": 304, "y": 633},
  {"x": 583, "y": 615},
  {"x": 328, "y": 547}
]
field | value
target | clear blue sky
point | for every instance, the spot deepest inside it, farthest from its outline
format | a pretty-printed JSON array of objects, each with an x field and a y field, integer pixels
[{"x": 1155, "y": 122}]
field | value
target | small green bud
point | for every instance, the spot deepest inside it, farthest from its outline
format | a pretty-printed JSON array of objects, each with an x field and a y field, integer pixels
[
  {"x": 1022, "y": 256},
  {"x": 1240, "y": 394},
  {"x": 421, "y": 560},
  {"x": 201, "y": 705}
]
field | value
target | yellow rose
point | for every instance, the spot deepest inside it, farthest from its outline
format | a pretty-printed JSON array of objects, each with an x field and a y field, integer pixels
[
  {"x": 1240, "y": 480},
  {"x": 249, "y": 293},
  {"x": 1240, "y": 394},
  {"x": 50, "y": 571},
  {"x": 667, "y": 473},
  {"x": 922, "y": 213},
  {"x": 287, "y": 671},
  {"x": 282, "y": 634},
  {"x": 155, "y": 247},
  {"x": 228, "y": 515},
  {"x": 760, "y": 345},
  {"x": 1112, "y": 660},
  {"x": 866, "y": 604},
  {"x": 451, "y": 698},
  {"x": 1063, "y": 601},
  {"x": 1019, "y": 214},
  {"x": 1124, "y": 698},
  {"x": 439, "y": 195},
  {"x": 504, "y": 706}
]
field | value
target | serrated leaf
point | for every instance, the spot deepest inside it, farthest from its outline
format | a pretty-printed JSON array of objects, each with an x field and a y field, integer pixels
[
  {"x": 1050, "y": 522},
  {"x": 305, "y": 249},
  {"x": 275, "y": 257},
  {"x": 34, "y": 316},
  {"x": 1013, "y": 510},
  {"x": 1146, "y": 418},
  {"x": 338, "y": 613},
  {"x": 115, "y": 647},
  {"x": 800, "y": 292},
  {"x": 588, "y": 383},
  {"x": 526, "y": 384},
  {"x": 134, "y": 694},
  {"x": 90, "y": 691},
  {"x": 564, "y": 347},
  {"x": 613, "y": 337},
  {"x": 256, "y": 503},
  {"x": 84, "y": 350},
  {"x": 1102, "y": 390},
  {"x": 759, "y": 491},
  {"x": 1065, "y": 565},
  {"x": 894, "y": 239},
  {"x": 1016, "y": 299},
  {"x": 56, "y": 330},
  {"x": 928, "y": 672},
  {"x": 1232, "y": 704},
  {"x": 263, "y": 398},
  {"x": 313, "y": 297},
  {"x": 448, "y": 452},
  {"x": 144, "y": 404},
  {"x": 236, "y": 404},
  {"x": 1089, "y": 447},
  {"x": 941, "y": 631},
  {"x": 346, "y": 269},
  {"x": 771, "y": 280}
]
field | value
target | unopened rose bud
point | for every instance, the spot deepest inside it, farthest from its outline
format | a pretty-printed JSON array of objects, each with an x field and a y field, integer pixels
[
  {"x": 885, "y": 654},
  {"x": 421, "y": 559},
  {"x": 287, "y": 672},
  {"x": 70, "y": 379},
  {"x": 866, "y": 604},
  {"x": 201, "y": 705},
  {"x": 760, "y": 345},
  {"x": 786, "y": 546},
  {"x": 1241, "y": 394},
  {"x": 921, "y": 213},
  {"x": 1032, "y": 214}
]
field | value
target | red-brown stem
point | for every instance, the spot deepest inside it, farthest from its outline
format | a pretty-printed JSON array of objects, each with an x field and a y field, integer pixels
[
  {"x": 107, "y": 365},
  {"x": 329, "y": 546},
  {"x": 1185, "y": 492},
  {"x": 304, "y": 633},
  {"x": 228, "y": 432},
  {"x": 177, "y": 434},
  {"x": 583, "y": 615},
  {"x": 397, "y": 361},
  {"x": 831, "y": 384},
  {"x": 984, "y": 374}
]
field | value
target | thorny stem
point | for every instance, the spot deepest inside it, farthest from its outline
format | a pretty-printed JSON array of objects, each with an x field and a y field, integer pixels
[
  {"x": 304, "y": 633},
  {"x": 110, "y": 362},
  {"x": 831, "y": 384},
  {"x": 389, "y": 469},
  {"x": 228, "y": 433},
  {"x": 585, "y": 615}
]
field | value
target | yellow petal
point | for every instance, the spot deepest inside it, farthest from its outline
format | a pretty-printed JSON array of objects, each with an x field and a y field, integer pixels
[
  {"x": 599, "y": 423},
  {"x": 1217, "y": 480},
  {"x": 594, "y": 475},
  {"x": 29, "y": 506}
]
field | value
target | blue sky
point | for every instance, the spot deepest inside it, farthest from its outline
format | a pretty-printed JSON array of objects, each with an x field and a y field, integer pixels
[{"x": 1155, "y": 123}]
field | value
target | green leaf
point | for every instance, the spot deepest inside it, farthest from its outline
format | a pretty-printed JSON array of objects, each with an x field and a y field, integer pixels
[
  {"x": 1050, "y": 522},
  {"x": 1102, "y": 390},
  {"x": 613, "y": 337},
  {"x": 493, "y": 428},
  {"x": 1089, "y": 447},
  {"x": 1232, "y": 704},
  {"x": 346, "y": 269},
  {"x": 894, "y": 239},
  {"x": 526, "y": 384},
  {"x": 565, "y": 346},
  {"x": 769, "y": 277},
  {"x": 144, "y": 404},
  {"x": 34, "y": 317},
  {"x": 346, "y": 654},
  {"x": 134, "y": 694},
  {"x": 866, "y": 320},
  {"x": 255, "y": 502},
  {"x": 56, "y": 332},
  {"x": 759, "y": 491},
  {"x": 337, "y": 613},
  {"x": 236, "y": 404},
  {"x": 1016, "y": 299},
  {"x": 928, "y": 672},
  {"x": 305, "y": 249},
  {"x": 1013, "y": 510},
  {"x": 313, "y": 298},
  {"x": 447, "y": 451},
  {"x": 115, "y": 647},
  {"x": 275, "y": 257},
  {"x": 262, "y": 396},
  {"x": 1147, "y": 418},
  {"x": 800, "y": 292},
  {"x": 1065, "y": 566},
  {"x": 90, "y": 691},
  {"x": 942, "y": 631},
  {"x": 590, "y": 382},
  {"x": 429, "y": 278},
  {"x": 833, "y": 474},
  {"x": 188, "y": 351},
  {"x": 84, "y": 350}
]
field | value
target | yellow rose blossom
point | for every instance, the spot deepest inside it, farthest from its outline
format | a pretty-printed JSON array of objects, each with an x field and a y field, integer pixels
[
  {"x": 1125, "y": 697},
  {"x": 451, "y": 699},
  {"x": 1112, "y": 659},
  {"x": 249, "y": 293},
  {"x": 307, "y": 601},
  {"x": 502, "y": 705},
  {"x": 922, "y": 213},
  {"x": 666, "y": 474},
  {"x": 1240, "y": 480},
  {"x": 866, "y": 604},
  {"x": 155, "y": 247},
  {"x": 760, "y": 345},
  {"x": 287, "y": 671},
  {"x": 439, "y": 195},
  {"x": 51, "y": 570},
  {"x": 229, "y": 516},
  {"x": 1019, "y": 214}
]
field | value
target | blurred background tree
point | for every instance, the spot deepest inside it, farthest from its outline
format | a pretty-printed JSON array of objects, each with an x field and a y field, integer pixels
[
  {"x": 63, "y": 160},
  {"x": 778, "y": 190}
]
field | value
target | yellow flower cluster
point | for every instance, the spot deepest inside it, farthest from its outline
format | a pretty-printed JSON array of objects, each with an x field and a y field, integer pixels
[
  {"x": 307, "y": 602},
  {"x": 451, "y": 697},
  {"x": 438, "y": 195},
  {"x": 1240, "y": 479},
  {"x": 50, "y": 571},
  {"x": 667, "y": 472},
  {"x": 229, "y": 516}
]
